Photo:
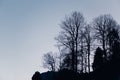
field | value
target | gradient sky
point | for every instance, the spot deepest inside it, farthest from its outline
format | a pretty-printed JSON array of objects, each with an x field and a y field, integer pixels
[{"x": 28, "y": 28}]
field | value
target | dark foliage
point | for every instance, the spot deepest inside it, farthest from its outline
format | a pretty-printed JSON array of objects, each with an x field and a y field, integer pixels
[
  {"x": 36, "y": 76},
  {"x": 98, "y": 59},
  {"x": 50, "y": 75},
  {"x": 64, "y": 74}
]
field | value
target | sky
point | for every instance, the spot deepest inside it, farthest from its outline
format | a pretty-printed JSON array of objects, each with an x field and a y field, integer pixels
[{"x": 28, "y": 29}]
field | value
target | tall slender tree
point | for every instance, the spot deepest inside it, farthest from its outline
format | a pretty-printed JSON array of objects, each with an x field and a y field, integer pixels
[
  {"x": 88, "y": 41},
  {"x": 70, "y": 36}
]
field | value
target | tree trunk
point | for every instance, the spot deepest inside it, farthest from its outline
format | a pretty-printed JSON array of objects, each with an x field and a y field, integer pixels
[{"x": 88, "y": 58}]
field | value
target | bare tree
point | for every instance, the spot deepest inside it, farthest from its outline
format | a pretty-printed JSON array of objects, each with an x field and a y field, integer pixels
[
  {"x": 49, "y": 61},
  {"x": 60, "y": 57},
  {"x": 88, "y": 41},
  {"x": 102, "y": 25},
  {"x": 70, "y": 36}
]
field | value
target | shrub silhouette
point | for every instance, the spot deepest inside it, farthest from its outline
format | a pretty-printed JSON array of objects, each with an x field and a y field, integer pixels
[{"x": 36, "y": 76}]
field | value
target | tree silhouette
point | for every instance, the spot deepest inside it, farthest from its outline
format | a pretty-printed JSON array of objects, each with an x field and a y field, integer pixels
[
  {"x": 49, "y": 61},
  {"x": 88, "y": 42},
  {"x": 70, "y": 36},
  {"x": 114, "y": 41},
  {"x": 75, "y": 41},
  {"x": 98, "y": 59},
  {"x": 36, "y": 76},
  {"x": 102, "y": 25}
]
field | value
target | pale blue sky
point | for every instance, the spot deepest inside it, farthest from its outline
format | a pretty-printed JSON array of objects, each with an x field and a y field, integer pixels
[{"x": 28, "y": 28}]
